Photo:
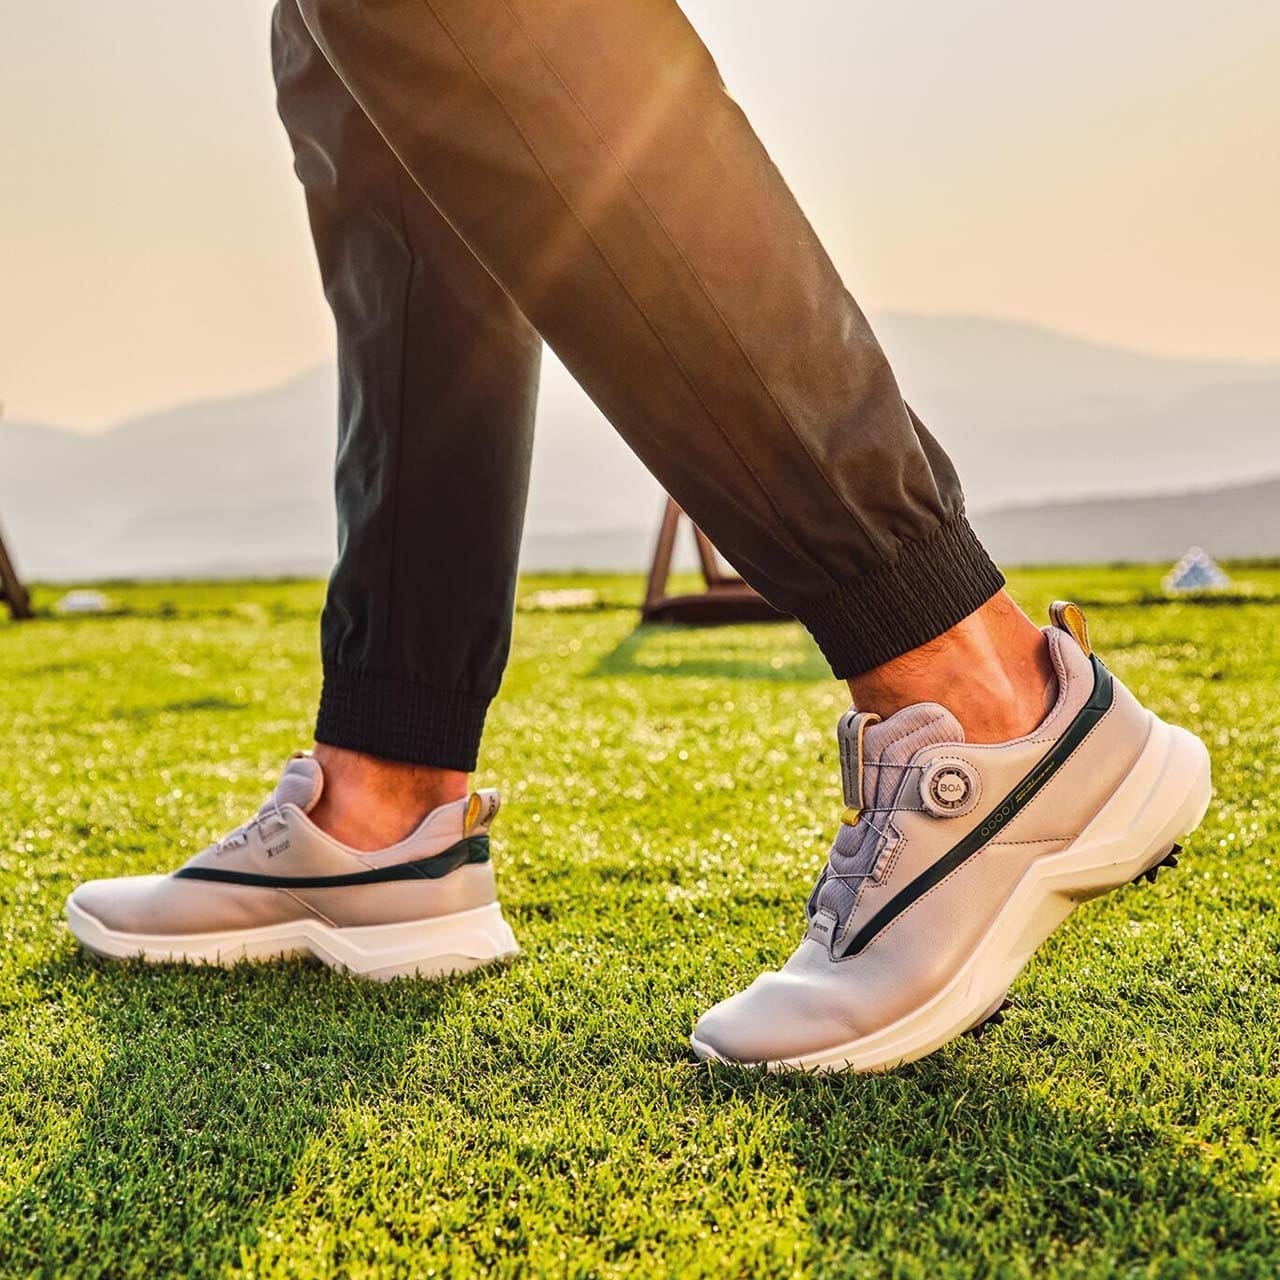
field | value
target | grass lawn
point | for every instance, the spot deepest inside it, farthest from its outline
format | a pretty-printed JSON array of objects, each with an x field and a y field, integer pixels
[{"x": 669, "y": 799}]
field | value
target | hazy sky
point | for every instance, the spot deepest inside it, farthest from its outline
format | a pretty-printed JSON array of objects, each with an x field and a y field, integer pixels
[{"x": 1111, "y": 169}]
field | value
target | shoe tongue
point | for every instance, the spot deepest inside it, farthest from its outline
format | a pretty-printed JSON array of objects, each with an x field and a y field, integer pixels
[
  {"x": 300, "y": 784},
  {"x": 857, "y": 848},
  {"x": 895, "y": 740}
]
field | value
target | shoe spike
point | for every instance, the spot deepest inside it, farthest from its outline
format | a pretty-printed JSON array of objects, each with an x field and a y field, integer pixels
[
  {"x": 993, "y": 1019},
  {"x": 1170, "y": 859}
]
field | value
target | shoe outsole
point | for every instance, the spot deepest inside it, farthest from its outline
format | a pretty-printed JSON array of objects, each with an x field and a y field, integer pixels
[
  {"x": 996, "y": 1017},
  {"x": 432, "y": 948}
]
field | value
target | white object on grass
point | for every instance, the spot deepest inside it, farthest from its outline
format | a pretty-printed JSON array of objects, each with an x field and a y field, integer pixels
[
  {"x": 567, "y": 598},
  {"x": 1196, "y": 571},
  {"x": 83, "y": 602}
]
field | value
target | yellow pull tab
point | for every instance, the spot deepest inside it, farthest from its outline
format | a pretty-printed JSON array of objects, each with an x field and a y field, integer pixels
[
  {"x": 482, "y": 808},
  {"x": 1069, "y": 617},
  {"x": 474, "y": 806}
]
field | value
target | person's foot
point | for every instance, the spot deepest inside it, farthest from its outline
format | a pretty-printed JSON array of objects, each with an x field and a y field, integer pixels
[
  {"x": 956, "y": 860},
  {"x": 280, "y": 886}
]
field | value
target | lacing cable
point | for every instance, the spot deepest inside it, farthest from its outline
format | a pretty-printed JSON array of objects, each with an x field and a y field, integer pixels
[
  {"x": 847, "y": 877},
  {"x": 235, "y": 839}
]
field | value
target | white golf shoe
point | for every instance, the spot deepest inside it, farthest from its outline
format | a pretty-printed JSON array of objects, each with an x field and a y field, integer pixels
[
  {"x": 956, "y": 860},
  {"x": 279, "y": 886}
]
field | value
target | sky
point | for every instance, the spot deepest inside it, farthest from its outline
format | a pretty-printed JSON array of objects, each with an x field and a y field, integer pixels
[{"x": 1109, "y": 170}]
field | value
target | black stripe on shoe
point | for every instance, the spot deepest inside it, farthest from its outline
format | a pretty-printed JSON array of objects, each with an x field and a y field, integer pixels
[
  {"x": 471, "y": 850},
  {"x": 1098, "y": 704}
]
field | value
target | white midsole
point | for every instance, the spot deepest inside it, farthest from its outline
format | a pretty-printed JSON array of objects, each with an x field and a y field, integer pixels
[
  {"x": 431, "y": 947},
  {"x": 1163, "y": 798}
]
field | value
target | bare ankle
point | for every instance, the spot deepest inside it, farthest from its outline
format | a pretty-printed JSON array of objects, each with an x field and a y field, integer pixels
[
  {"x": 992, "y": 671},
  {"x": 370, "y": 803}
]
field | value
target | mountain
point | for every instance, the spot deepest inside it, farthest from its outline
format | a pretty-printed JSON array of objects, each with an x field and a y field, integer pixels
[
  {"x": 242, "y": 485},
  {"x": 1028, "y": 414},
  {"x": 1239, "y": 520}
]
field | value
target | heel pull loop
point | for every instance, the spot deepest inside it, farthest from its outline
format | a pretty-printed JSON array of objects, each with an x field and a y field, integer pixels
[
  {"x": 482, "y": 808},
  {"x": 849, "y": 734},
  {"x": 1069, "y": 617}
]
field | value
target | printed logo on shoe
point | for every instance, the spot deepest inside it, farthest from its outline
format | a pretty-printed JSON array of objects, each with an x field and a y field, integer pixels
[{"x": 949, "y": 787}]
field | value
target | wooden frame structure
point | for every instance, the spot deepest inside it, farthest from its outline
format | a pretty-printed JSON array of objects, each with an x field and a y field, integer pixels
[
  {"x": 726, "y": 598},
  {"x": 12, "y": 592}
]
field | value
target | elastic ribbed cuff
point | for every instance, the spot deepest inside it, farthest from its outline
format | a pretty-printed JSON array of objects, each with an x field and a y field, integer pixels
[
  {"x": 926, "y": 590},
  {"x": 397, "y": 720}
]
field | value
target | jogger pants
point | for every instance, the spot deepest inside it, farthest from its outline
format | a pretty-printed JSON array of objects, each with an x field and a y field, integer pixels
[{"x": 484, "y": 174}]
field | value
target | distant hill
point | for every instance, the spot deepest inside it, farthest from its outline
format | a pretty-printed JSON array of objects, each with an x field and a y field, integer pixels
[
  {"x": 1028, "y": 414},
  {"x": 242, "y": 485},
  {"x": 1239, "y": 520}
]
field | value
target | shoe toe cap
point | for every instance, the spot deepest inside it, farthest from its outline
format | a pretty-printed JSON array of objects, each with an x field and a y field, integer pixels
[
  {"x": 724, "y": 1032},
  {"x": 778, "y": 1019},
  {"x": 120, "y": 905}
]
